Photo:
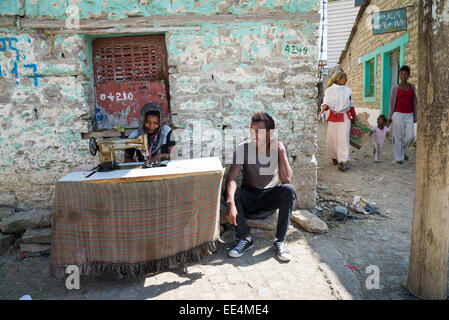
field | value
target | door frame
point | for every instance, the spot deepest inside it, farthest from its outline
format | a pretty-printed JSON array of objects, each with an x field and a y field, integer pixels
[{"x": 385, "y": 72}]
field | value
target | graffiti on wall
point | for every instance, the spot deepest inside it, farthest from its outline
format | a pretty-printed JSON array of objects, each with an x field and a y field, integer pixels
[{"x": 10, "y": 43}]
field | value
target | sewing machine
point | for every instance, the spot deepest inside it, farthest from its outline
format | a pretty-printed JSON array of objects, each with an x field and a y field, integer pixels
[{"x": 107, "y": 147}]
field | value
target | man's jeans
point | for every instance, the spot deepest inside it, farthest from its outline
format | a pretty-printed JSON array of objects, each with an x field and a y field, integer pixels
[{"x": 248, "y": 199}]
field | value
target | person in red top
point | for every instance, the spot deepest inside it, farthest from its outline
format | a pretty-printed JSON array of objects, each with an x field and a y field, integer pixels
[
  {"x": 403, "y": 113},
  {"x": 339, "y": 112}
]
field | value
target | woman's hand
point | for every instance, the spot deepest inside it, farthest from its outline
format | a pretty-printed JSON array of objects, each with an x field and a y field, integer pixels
[
  {"x": 157, "y": 158},
  {"x": 324, "y": 107}
]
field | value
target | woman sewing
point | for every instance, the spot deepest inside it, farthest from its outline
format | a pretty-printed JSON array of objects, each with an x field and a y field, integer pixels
[
  {"x": 339, "y": 108},
  {"x": 160, "y": 138}
]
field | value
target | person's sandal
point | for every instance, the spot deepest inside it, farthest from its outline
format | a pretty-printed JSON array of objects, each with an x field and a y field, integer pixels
[
  {"x": 342, "y": 167},
  {"x": 335, "y": 162}
]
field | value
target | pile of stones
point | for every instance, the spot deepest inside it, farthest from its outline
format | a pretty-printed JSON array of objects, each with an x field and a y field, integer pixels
[{"x": 30, "y": 228}]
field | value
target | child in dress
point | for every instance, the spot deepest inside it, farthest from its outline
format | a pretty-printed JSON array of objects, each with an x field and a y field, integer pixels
[{"x": 379, "y": 132}]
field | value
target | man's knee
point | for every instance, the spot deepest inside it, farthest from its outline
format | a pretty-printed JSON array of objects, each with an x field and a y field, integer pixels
[{"x": 288, "y": 191}]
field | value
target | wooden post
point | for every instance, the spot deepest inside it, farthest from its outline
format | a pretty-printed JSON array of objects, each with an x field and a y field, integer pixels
[{"x": 427, "y": 274}]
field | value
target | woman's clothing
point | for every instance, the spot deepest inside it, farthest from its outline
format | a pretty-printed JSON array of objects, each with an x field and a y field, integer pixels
[
  {"x": 403, "y": 112},
  {"x": 165, "y": 142},
  {"x": 403, "y": 134},
  {"x": 157, "y": 142},
  {"x": 393, "y": 100},
  {"x": 341, "y": 111},
  {"x": 337, "y": 142},
  {"x": 404, "y": 101}
]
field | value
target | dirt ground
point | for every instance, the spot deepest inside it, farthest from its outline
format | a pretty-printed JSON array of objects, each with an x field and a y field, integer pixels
[
  {"x": 382, "y": 241},
  {"x": 324, "y": 266}
]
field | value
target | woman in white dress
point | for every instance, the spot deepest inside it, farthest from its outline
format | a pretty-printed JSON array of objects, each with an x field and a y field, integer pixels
[{"x": 339, "y": 112}]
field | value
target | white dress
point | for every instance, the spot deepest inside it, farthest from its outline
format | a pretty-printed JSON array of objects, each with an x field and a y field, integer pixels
[{"x": 338, "y": 98}]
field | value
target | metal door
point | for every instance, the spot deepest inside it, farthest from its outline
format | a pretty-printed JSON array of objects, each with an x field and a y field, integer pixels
[{"x": 129, "y": 72}]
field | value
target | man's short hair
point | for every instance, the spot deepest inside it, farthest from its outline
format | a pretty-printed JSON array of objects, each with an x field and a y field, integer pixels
[{"x": 265, "y": 117}]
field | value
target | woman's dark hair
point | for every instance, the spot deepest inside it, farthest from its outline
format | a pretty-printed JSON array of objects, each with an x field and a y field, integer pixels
[
  {"x": 153, "y": 113},
  {"x": 265, "y": 117},
  {"x": 383, "y": 117},
  {"x": 405, "y": 68}
]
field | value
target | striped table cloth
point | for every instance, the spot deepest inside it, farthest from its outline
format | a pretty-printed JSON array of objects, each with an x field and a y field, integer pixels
[{"x": 134, "y": 225}]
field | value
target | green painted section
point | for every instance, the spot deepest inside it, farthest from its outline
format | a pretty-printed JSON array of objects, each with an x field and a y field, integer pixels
[
  {"x": 9, "y": 7},
  {"x": 366, "y": 82},
  {"x": 120, "y": 9},
  {"x": 384, "y": 51}
]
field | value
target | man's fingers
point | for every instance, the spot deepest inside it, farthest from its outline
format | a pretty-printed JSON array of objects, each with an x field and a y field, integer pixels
[{"x": 234, "y": 220}]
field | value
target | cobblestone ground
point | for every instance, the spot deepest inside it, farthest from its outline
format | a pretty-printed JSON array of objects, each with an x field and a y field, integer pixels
[
  {"x": 256, "y": 275},
  {"x": 324, "y": 266}
]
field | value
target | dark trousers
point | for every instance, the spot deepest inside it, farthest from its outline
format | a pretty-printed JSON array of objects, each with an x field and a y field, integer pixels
[{"x": 248, "y": 199}]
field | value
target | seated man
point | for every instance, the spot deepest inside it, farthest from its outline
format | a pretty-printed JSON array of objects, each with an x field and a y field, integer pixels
[
  {"x": 260, "y": 187},
  {"x": 160, "y": 138}
]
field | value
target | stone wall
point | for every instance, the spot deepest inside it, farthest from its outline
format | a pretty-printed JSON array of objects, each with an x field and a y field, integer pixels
[
  {"x": 225, "y": 61},
  {"x": 364, "y": 41}
]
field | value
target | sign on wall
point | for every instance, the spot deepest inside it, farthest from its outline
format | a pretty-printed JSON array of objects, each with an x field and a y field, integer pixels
[{"x": 389, "y": 21}]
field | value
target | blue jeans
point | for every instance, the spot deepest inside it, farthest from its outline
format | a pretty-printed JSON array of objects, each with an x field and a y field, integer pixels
[{"x": 248, "y": 199}]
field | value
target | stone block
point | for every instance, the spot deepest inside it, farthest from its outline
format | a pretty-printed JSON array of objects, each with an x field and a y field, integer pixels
[
  {"x": 309, "y": 221},
  {"x": 6, "y": 240},
  {"x": 24, "y": 220},
  {"x": 268, "y": 223},
  {"x": 5, "y": 212},
  {"x": 34, "y": 247},
  {"x": 37, "y": 236}
]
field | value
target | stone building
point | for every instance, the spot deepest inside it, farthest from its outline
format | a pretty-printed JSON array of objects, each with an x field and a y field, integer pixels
[
  {"x": 375, "y": 52},
  {"x": 215, "y": 62}
]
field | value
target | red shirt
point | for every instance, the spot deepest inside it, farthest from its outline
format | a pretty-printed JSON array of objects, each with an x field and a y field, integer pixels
[{"x": 404, "y": 101}]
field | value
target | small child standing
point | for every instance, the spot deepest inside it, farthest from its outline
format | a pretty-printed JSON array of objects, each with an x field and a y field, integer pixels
[{"x": 379, "y": 132}]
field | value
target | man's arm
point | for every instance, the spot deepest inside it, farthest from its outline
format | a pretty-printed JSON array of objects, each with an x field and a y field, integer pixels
[
  {"x": 231, "y": 187},
  {"x": 285, "y": 171}
]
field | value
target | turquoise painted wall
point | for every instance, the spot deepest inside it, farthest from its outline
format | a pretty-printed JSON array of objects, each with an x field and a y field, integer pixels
[
  {"x": 119, "y": 9},
  {"x": 220, "y": 73}
]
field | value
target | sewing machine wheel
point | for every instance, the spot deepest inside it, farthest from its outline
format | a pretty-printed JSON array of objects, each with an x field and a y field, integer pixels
[{"x": 93, "y": 146}]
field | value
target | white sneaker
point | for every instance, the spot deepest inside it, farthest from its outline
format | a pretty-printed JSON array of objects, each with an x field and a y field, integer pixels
[{"x": 282, "y": 252}]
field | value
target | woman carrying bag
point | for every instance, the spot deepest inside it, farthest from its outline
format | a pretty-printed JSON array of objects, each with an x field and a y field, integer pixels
[{"x": 338, "y": 109}]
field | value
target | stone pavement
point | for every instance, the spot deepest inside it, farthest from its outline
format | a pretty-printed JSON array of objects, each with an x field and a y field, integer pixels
[{"x": 258, "y": 274}]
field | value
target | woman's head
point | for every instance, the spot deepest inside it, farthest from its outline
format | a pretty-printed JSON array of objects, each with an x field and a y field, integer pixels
[
  {"x": 404, "y": 73},
  {"x": 152, "y": 121},
  {"x": 339, "y": 78}
]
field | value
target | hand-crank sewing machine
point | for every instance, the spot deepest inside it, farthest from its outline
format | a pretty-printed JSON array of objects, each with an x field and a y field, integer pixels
[{"x": 107, "y": 147}]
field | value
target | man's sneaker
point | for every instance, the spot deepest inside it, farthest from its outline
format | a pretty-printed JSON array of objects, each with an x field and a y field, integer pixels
[
  {"x": 242, "y": 246},
  {"x": 281, "y": 251}
]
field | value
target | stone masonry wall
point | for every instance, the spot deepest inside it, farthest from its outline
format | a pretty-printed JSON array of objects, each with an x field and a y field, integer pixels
[
  {"x": 220, "y": 73},
  {"x": 364, "y": 42}
]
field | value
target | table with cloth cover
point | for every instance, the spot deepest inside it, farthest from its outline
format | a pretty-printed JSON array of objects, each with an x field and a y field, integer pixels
[{"x": 134, "y": 221}]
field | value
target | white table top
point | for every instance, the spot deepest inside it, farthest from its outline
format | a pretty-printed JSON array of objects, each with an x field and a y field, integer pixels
[{"x": 173, "y": 167}]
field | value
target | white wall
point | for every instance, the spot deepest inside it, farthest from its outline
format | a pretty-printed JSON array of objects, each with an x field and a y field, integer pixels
[{"x": 340, "y": 20}]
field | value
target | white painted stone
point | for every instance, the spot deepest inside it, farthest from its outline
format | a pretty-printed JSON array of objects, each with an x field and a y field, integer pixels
[{"x": 309, "y": 221}]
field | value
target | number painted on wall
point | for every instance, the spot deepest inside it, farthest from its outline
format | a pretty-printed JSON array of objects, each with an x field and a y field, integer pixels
[
  {"x": 119, "y": 96},
  {"x": 295, "y": 49},
  {"x": 10, "y": 43}
]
